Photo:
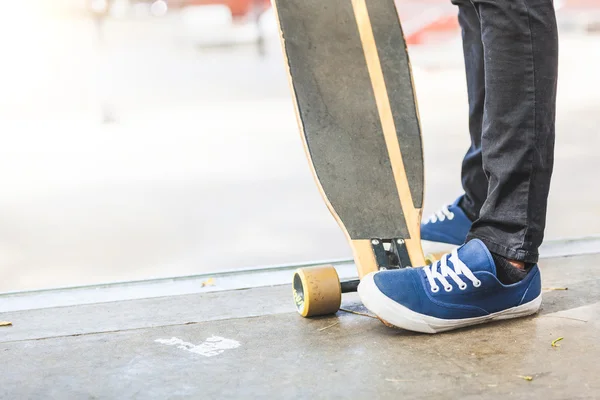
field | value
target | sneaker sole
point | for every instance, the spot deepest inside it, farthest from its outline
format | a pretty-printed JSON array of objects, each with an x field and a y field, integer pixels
[{"x": 394, "y": 314}]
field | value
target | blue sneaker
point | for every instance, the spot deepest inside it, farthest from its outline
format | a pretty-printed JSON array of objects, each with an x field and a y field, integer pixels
[
  {"x": 448, "y": 225},
  {"x": 459, "y": 290}
]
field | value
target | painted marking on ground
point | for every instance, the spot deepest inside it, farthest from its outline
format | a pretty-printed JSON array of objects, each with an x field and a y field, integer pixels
[{"x": 213, "y": 346}]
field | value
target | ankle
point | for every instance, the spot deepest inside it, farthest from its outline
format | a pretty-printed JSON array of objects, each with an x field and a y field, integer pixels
[
  {"x": 517, "y": 264},
  {"x": 509, "y": 271}
]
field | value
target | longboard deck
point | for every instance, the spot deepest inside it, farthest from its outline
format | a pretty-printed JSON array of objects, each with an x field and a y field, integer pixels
[{"x": 351, "y": 81}]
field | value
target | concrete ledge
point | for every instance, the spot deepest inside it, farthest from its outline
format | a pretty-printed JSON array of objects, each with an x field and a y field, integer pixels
[
  {"x": 229, "y": 280},
  {"x": 252, "y": 344}
]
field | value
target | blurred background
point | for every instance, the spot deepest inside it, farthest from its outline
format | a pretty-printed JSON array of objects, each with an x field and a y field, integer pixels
[{"x": 143, "y": 139}]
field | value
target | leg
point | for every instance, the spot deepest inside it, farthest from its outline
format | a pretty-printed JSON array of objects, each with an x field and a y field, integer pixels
[
  {"x": 520, "y": 48},
  {"x": 520, "y": 43},
  {"x": 474, "y": 181},
  {"x": 451, "y": 224}
]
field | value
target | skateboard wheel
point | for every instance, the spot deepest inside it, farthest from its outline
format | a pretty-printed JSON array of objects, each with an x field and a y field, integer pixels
[
  {"x": 430, "y": 259},
  {"x": 433, "y": 257},
  {"x": 317, "y": 290}
]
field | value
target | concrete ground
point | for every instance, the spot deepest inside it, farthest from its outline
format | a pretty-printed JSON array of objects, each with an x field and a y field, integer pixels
[
  {"x": 252, "y": 344},
  {"x": 202, "y": 168}
]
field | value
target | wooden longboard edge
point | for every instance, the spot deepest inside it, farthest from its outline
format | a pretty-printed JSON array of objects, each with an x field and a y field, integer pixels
[
  {"x": 361, "y": 248},
  {"x": 411, "y": 213},
  {"x": 364, "y": 257}
]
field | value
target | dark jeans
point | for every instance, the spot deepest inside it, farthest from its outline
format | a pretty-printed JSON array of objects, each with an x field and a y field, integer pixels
[{"x": 511, "y": 57}]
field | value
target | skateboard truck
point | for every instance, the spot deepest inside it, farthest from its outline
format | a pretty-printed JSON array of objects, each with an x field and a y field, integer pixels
[
  {"x": 318, "y": 290},
  {"x": 390, "y": 253}
]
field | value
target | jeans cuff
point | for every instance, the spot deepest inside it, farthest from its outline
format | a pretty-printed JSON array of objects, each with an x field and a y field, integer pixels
[
  {"x": 526, "y": 256},
  {"x": 462, "y": 204}
]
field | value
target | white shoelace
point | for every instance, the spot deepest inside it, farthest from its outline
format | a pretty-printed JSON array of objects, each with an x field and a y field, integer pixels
[
  {"x": 441, "y": 215},
  {"x": 432, "y": 273}
]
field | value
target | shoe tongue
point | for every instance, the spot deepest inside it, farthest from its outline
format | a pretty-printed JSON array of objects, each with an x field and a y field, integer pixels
[{"x": 476, "y": 256}]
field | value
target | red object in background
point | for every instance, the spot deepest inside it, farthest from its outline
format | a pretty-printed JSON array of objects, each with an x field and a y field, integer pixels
[
  {"x": 427, "y": 21},
  {"x": 443, "y": 25},
  {"x": 239, "y": 8}
]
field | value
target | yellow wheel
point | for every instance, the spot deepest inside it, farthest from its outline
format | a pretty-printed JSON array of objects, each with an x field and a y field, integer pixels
[
  {"x": 317, "y": 291},
  {"x": 434, "y": 257},
  {"x": 430, "y": 259}
]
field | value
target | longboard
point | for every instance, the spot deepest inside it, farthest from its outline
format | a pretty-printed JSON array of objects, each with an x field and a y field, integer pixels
[{"x": 353, "y": 92}]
